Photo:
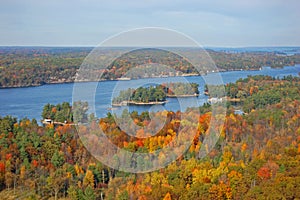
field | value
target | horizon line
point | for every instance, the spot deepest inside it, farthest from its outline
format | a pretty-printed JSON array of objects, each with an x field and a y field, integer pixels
[{"x": 208, "y": 46}]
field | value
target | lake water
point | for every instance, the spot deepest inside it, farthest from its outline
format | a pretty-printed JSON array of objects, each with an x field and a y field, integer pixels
[{"x": 29, "y": 102}]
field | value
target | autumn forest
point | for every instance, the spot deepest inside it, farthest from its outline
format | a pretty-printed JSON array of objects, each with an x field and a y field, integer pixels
[
  {"x": 34, "y": 66},
  {"x": 257, "y": 155}
]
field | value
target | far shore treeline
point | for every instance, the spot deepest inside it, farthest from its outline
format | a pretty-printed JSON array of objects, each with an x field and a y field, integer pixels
[{"x": 34, "y": 66}]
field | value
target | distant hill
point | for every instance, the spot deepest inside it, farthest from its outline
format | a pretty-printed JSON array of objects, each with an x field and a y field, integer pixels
[{"x": 34, "y": 66}]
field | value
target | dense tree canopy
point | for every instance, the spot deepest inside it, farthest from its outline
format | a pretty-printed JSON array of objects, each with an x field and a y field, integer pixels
[
  {"x": 65, "y": 112},
  {"x": 257, "y": 155}
]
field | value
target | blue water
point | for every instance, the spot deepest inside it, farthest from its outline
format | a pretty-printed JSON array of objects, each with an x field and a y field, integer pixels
[
  {"x": 279, "y": 50},
  {"x": 29, "y": 102}
]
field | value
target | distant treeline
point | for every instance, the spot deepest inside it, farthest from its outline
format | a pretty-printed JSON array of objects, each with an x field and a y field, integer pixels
[{"x": 33, "y": 66}]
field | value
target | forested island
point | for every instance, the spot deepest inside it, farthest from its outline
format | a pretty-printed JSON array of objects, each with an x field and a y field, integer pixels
[
  {"x": 141, "y": 96},
  {"x": 155, "y": 94},
  {"x": 34, "y": 66},
  {"x": 257, "y": 155}
]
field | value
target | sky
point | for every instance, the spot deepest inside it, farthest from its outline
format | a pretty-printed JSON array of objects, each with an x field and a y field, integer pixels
[{"x": 213, "y": 23}]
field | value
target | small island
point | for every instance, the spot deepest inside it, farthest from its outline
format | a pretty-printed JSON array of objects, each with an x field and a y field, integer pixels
[
  {"x": 141, "y": 96},
  {"x": 155, "y": 95}
]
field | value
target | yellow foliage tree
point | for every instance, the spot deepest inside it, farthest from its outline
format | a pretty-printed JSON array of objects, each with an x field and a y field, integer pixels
[
  {"x": 22, "y": 172},
  {"x": 88, "y": 179},
  {"x": 167, "y": 197},
  {"x": 78, "y": 170}
]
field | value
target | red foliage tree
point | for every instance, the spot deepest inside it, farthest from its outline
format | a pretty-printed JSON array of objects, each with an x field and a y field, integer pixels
[
  {"x": 2, "y": 167},
  {"x": 264, "y": 173}
]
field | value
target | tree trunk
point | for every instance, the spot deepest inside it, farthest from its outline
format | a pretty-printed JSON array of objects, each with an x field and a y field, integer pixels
[
  {"x": 56, "y": 194},
  {"x": 15, "y": 183},
  {"x": 101, "y": 194},
  {"x": 103, "y": 176}
]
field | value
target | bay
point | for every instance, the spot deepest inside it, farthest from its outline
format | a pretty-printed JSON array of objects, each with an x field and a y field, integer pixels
[{"x": 28, "y": 102}]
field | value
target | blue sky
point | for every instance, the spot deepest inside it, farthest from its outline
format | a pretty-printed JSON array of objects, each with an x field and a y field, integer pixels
[{"x": 225, "y": 23}]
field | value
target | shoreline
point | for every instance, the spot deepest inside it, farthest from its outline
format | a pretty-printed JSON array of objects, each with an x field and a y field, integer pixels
[
  {"x": 182, "y": 96},
  {"x": 90, "y": 81},
  {"x": 125, "y": 103}
]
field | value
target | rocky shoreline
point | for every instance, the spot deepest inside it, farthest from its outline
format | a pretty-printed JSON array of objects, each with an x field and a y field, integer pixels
[{"x": 125, "y": 103}]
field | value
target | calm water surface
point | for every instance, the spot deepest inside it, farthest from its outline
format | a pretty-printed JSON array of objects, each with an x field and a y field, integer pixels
[{"x": 29, "y": 102}]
